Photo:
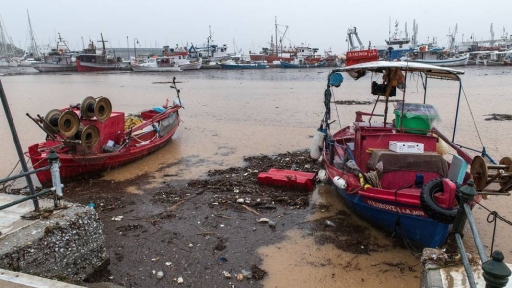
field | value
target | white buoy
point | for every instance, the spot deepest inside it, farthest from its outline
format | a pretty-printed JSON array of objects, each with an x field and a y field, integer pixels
[
  {"x": 314, "y": 153},
  {"x": 339, "y": 182}
]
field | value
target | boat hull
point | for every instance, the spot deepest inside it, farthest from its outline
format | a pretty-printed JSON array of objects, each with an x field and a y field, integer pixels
[
  {"x": 80, "y": 165},
  {"x": 450, "y": 62},
  {"x": 55, "y": 67},
  {"x": 155, "y": 69},
  {"x": 242, "y": 66},
  {"x": 269, "y": 58},
  {"x": 96, "y": 67},
  {"x": 190, "y": 66},
  {"x": 391, "y": 218},
  {"x": 292, "y": 65}
]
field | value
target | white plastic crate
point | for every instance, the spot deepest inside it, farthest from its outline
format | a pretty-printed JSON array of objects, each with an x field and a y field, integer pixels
[{"x": 406, "y": 147}]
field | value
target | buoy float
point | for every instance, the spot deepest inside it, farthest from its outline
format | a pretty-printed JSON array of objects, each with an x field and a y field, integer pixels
[
  {"x": 314, "y": 153},
  {"x": 441, "y": 147},
  {"x": 339, "y": 182}
]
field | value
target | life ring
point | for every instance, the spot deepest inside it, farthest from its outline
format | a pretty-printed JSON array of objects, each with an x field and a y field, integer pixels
[{"x": 431, "y": 206}]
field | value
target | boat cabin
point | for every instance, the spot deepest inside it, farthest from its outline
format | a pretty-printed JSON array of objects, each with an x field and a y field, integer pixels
[{"x": 402, "y": 150}]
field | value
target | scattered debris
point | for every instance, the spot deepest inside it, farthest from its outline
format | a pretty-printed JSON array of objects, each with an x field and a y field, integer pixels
[
  {"x": 240, "y": 277},
  {"x": 226, "y": 274},
  {"x": 272, "y": 224},
  {"x": 223, "y": 259},
  {"x": 257, "y": 272},
  {"x": 353, "y": 102},
  {"x": 224, "y": 183},
  {"x": 498, "y": 117},
  {"x": 264, "y": 220},
  {"x": 247, "y": 274},
  {"x": 216, "y": 208},
  {"x": 252, "y": 210},
  {"x": 329, "y": 223},
  {"x": 117, "y": 218},
  {"x": 160, "y": 275}
]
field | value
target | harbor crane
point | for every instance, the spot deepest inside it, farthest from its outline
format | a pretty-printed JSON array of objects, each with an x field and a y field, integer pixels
[{"x": 352, "y": 32}]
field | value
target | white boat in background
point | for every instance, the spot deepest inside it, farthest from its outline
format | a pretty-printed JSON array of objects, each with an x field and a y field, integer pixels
[
  {"x": 29, "y": 62},
  {"x": 57, "y": 63},
  {"x": 6, "y": 63},
  {"x": 186, "y": 64},
  {"x": 157, "y": 64},
  {"x": 477, "y": 57},
  {"x": 498, "y": 58},
  {"x": 182, "y": 58},
  {"x": 233, "y": 64},
  {"x": 436, "y": 56}
]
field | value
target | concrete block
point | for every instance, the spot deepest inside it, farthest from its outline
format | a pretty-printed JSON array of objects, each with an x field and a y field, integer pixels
[{"x": 68, "y": 245}]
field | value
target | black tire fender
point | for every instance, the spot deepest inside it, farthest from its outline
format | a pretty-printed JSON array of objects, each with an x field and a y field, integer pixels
[{"x": 431, "y": 207}]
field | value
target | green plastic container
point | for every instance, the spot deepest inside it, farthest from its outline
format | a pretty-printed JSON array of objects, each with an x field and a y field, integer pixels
[{"x": 414, "y": 123}]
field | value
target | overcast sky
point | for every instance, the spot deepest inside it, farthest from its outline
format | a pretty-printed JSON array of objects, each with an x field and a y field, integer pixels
[{"x": 248, "y": 23}]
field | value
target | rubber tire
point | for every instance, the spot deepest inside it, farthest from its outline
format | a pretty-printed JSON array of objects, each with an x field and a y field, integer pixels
[{"x": 431, "y": 207}]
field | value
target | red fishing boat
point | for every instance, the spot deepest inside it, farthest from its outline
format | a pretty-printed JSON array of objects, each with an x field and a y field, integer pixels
[
  {"x": 402, "y": 175},
  {"x": 90, "y": 139},
  {"x": 94, "y": 60}
]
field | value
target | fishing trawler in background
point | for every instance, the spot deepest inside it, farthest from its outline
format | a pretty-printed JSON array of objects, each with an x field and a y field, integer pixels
[
  {"x": 397, "y": 46},
  {"x": 357, "y": 53},
  {"x": 278, "y": 53},
  {"x": 59, "y": 59},
  {"x": 209, "y": 52},
  {"x": 94, "y": 60}
]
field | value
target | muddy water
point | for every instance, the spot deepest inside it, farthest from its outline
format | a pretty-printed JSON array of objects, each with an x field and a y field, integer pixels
[{"x": 232, "y": 114}]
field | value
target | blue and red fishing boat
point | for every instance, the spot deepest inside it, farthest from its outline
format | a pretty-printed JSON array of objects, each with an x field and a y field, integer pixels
[{"x": 396, "y": 173}]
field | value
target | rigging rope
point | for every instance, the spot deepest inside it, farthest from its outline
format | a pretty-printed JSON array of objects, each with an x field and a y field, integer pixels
[
  {"x": 336, "y": 108},
  {"x": 471, "y": 112}
]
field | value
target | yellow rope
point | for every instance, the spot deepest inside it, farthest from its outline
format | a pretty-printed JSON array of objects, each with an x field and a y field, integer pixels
[{"x": 131, "y": 121}]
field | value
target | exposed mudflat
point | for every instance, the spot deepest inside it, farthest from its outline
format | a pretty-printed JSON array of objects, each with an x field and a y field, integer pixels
[{"x": 197, "y": 230}]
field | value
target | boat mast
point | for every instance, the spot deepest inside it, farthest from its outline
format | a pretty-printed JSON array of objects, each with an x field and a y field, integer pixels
[
  {"x": 63, "y": 42},
  {"x": 103, "y": 42},
  {"x": 492, "y": 35},
  {"x": 3, "y": 44},
  {"x": 33, "y": 42},
  {"x": 276, "y": 37},
  {"x": 389, "y": 29},
  {"x": 414, "y": 33},
  {"x": 279, "y": 41},
  {"x": 208, "y": 39}
]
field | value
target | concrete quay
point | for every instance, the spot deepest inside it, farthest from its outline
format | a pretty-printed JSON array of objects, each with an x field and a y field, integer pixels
[{"x": 65, "y": 244}]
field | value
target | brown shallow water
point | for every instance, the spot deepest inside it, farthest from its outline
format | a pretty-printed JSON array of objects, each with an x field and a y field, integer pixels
[{"x": 232, "y": 114}]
